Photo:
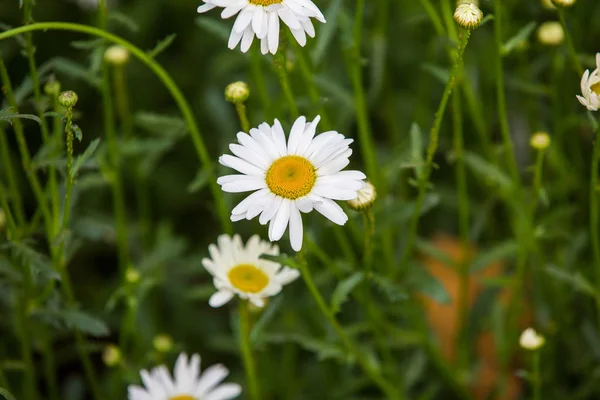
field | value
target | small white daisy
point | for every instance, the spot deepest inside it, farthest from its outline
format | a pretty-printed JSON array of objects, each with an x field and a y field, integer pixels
[
  {"x": 590, "y": 87},
  {"x": 240, "y": 270},
  {"x": 302, "y": 175},
  {"x": 260, "y": 18},
  {"x": 187, "y": 382}
]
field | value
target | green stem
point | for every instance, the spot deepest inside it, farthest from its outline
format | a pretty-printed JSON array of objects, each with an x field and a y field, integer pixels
[
  {"x": 70, "y": 176},
  {"x": 259, "y": 79},
  {"x": 249, "y": 364},
  {"x": 594, "y": 222},
  {"x": 30, "y": 382},
  {"x": 463, "y": 229},
  {"x": 11, "y": 177},
  {"x": 240, "y": 108},
  {"x": 166, "y": 79},
  {"x": 386, "y": 387},
  {"x": 537, "y": 180},
  {"x": 5, "y": 207},
  {"x": 369, "y": 220},
  {"x": 435, "y": 18},
  {"x": 50, "y": 369},
  {"x": 102, "y": 14},
  {"x": 431, "y": 149},
  {"x": 282, "y": 73},
  {"x": 572, "y": 53},
  {"x": 537, "y": 375}
]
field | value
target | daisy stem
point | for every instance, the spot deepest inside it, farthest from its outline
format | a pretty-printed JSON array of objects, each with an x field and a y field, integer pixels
[
  {"x": 431, "y": 149},
  {"x": 70, "y": 180},
  {"x": 537, "y": 375},
  {"x": 4, "y": 206},
  {"x": 433, "y": 16},
  {"x": 369, "y": 220},
  {"x": 165, "y": 78},
  {"x": 102, "y": 14},
  {"x": 242, "y": 113},
  {"x": 280, "y": 61},
  {"x": 249, "y": 364},
  {"x": 259, "y": 79},
  {"x": 9, "y": 171},
  {"x": 594, "y": 222},
  {"x": 537, "y": 180},
  {"x": 386, "y": 387},
  {"x": 365, "y": 134},
  {"x": 572, "y": 53}
]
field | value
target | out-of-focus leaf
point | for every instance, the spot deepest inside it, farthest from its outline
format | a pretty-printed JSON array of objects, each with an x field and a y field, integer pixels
[
  {"x": 323, "y": 350},
  {"x": 162, "y": 45},
  {"x": 160, "y": 125},
  {"x": 87, "y": 44},
  {"x": 392, "y": 215},
  {"x": 422, "y": 282},
  {"x": 326, "y": 32},
  {"x": 416, "y": 149},
  {"x": 86, "y": 156},
  {"x": 6, "y": 394},
  {"x": 75, "y": 71},
  {"x": 124, "y": 20},
  {"x": 487, "y": 170},
  {"x": 8, "y": 114},
  {"x": 77, "y": 131},
  {"x": 76, "y": 319},
  {"x": 200, "y": 181},
  {"x": 441, "y": 74},
  {"x": 391, "y": 290},
  {"x": 282, "y": 259},
  {"x": 520, "y": 37},
  {"x": 344, "y": 289},
  {"x": 574, "y": 279},
  {"x": 40, "y": 263},
  {"x": 215, "y": 27},
  {"x": 265, "y": 317},
  {"x": 497, "y": 253}
]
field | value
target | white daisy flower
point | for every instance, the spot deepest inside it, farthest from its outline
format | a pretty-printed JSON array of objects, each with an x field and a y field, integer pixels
[
  {"x": 260, "y": 18},
  {"x": 302, "y": 175},
  {"x": 240, "y": 270},
  {"x": 590, "y": 87},
  {"x": 187, "y": 382}
]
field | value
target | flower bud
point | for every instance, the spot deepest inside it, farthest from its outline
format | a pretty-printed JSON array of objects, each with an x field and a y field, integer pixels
[
  {"x": 52, "y": 88},
  {"x": 237, "y": 92},
  {"x": 468, "y": 16},
  {"x": 162, "y": 343},
  {"x": 116, "y": 55},
  {"x": 132, "y": 275},
  {"x": 365, "y": 199},
  {"x": 476, "y": 2},
  {"x": 563, "y": 3},
  {"x": 531, "y": 340},
  {"x": 111, "y": 355},
  {"x": 547, "y": 4},
  {"x": 68, "y": 99},
  {"x": 551, "y": 33},
  {"x": 540, "y": 141}
]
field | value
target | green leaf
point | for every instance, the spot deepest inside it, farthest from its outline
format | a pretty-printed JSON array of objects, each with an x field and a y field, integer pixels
[
  {"x": 40, "y": 263},
  {"x": 6, "y": 394},
  {"x": 87, "y": 44},
  {"x": 520, "y": 37},
  {"x": 77, "y": 131},
  {"x": 323, "y": 349},
  {"x": 573, "y": 279},
  {"x": 75, "y": 71},
  {"x": 200, "y": 181},
  {"x": 161, "y": 125},
  {"x": 439, "y": 73},
  {"x": 499, "y": 252},
  {"x": 214, "y": 27},
  {"x": 124, "y": 20},
  {"x": 162, "y": 45},
  {"x": 422, "y": 282},
  {"x": 487, "y": 170},
  {"x": 327, "y": 32},
  {"x": 266, "y": 316},
  {"x": 8, "y": 114},
  {"x": 343, "y": 290},
  {"x": 86, "y": 156},
  {"x": 75, "y": 319},
  {"x": 416, "y": 149},
  {"x": 392, "y": 291}
]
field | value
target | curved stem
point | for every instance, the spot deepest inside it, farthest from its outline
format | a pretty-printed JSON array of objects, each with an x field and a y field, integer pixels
[
  {"x": 249, "y": 364},
  {"x": 390, "y": 391},
  {"x": 166, "y": 79},
  {"x": 431, "y": 149},
  {"x": 240, "y": 108}
]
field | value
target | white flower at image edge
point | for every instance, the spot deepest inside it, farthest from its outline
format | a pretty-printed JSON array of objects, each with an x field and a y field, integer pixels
[
  {"x": 260, "y": 18},
  {"x": 187, "y": 382},
  {"x": 590, "y": 87},
  {"x": 289, "y": 178},
  {"x": 238, "y": 269}
]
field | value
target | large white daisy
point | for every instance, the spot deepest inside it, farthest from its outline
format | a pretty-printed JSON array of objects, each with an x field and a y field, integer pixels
[
  {"x": 298, "y": 176},
  {"x": 590, "y": 87},
  {"x": 186, "y": 384},
  {"x": 260, "y": 18},
  {"x": 240, "y": 270}
]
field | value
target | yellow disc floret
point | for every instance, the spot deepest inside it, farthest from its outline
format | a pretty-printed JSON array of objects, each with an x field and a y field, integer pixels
[
  {"x": 182, "y": 397},
  {"x": 291, "y": 177},
  {"x": 596, "y": 88},
  {"x": 265, "y": 3},
  {"x": 248, "y": 278}
]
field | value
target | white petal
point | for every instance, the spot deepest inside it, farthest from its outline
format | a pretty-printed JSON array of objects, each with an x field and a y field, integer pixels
[
  {"x": 287, "y": 275},
  {"x": 300, "y": 36},
  {"x": 280, "y": 222},
  {"x": 279, "y": 138},
  {"x": 296, "y": 228},
  {"x": 257, "y": 21},
  {"x": 273, "y": 34},
  {"x": 243, "y": 19},
  {"x": 210, "y": 378},
  {"x": 247, "y": 40},
  {"x": 240, "y": 165},
  {"x": 234, "y": 39},
  {"x": 244, "y": 186},
  {"x": 232, "y": 9},
  {"x": 220, "y": 298},
  {"x": 331, "y": 210},
  {"x": 138, "y": 393},
  {"x": 331, "y": 192},
  {"x": 205, "y": 7},
  {"x": 270, "y": 209},
  {"x": 254, "y": 198},
  {"x": 307, "y": 137},
  {"x": 289, "y": 18},
  {"x": 304, "y": 204},
  {"x": 333, "y": 166},
  {"x": 295, "y": 134}
]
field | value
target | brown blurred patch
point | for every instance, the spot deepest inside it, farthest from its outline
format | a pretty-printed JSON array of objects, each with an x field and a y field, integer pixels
[{"x": 443, "y": 318}]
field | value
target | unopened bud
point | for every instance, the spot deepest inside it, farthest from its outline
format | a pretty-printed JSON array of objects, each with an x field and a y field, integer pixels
[
  {"x": 547, "y": 4},
  {"x": 531, "y": 340},
  {"x": 237, "y": 92},
  {"x": 468, "y": 16},
  {"x": 132, "y": 275},
  {"x": 163, "y": 343},
  {"x": 68, "y": 99},
  {"x": 366, "y": 198},
  {"x": 540, "y": 141},
  {"x": 551, "y": 33},
  {"x": 52, "y": 88},
  {"x": 116, "y": 55},
  {"x": 111, "y": 355},
  {"x": 459, "y": 2},
  {"x": 563, "y": 3}
]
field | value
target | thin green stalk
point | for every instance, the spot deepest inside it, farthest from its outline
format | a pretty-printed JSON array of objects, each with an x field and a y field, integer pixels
[
  {"x": 537, "y": 180},
  {"x": 240, "y": 108},
  {"x": 369, "y": 233},
  {"x": 114, "y": 159},
  {"x": 431, "y": 149},
  {"x": 50, "y": 369},
  {"x": 13, "y": 186},
  {"x": 435, "y": 18},
  {"x": 249, "y": 363},
  {"x": 386, "y": 387},
  {"x": 70, "y": 137},
  {"x": 594, "y": 221},
  {"x": 447, "y": 14},
  {"x": 365, "y": 134},
  {"x": 259, "y": 79},
  {"x": 572, "y": 53},
  {"x": 196, "y": 136},
  {"x": 537, "y": 375},
  {"x": 463, "y": 229},
  {"x": 10, "y": 220},
  {"x": 280, "y": 61},
  {"x": 102, "y": 14},
  {"x": 30, "y": 391}
]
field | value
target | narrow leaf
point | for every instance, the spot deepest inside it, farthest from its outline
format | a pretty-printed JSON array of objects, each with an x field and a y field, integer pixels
[
  {"x": 87, "y": 155},
  {"x": 162, "y": 45},
  {"x": 344, "y": 289}
]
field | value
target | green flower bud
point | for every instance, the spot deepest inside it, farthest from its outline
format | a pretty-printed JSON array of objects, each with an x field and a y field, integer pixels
[{"x": 68, "y": 99}]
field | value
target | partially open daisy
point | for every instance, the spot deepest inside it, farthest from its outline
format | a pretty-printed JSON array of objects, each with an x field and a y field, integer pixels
[
  {"x": 590, "y": 87},
  {"x": 186, "y": 384},
  {"x": 302, "y": 175},
  {"x": 238, "y": 269},
  {"x": 260, "y": 18}
]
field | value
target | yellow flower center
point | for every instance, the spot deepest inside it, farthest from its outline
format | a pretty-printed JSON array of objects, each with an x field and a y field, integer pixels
[
  {"x": 182, "y": 397},
  {"x": 248, "y": 278},
  {"x": 291, "y": 177},
  {"x": 265, "y": 3},
  {"x": 596, "y": 88}
]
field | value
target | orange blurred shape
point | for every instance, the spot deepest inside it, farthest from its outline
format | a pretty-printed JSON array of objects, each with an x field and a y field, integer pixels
[{"x": 443, "y": 318}]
